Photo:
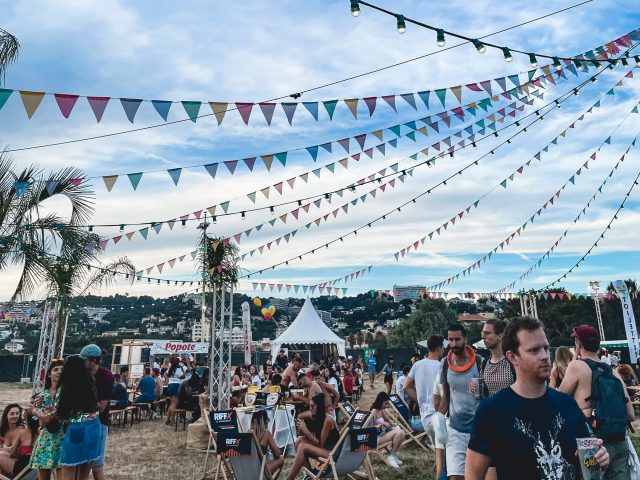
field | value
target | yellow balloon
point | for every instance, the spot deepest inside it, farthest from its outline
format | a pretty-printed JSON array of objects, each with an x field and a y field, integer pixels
[
  {"x": 263, "y": 311},
  {"x": 272, "y": 309},
  {"x": 257, "y": 302}
]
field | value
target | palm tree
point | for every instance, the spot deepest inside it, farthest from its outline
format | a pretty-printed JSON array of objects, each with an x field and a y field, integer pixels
[{"x": 9, "y": 47}]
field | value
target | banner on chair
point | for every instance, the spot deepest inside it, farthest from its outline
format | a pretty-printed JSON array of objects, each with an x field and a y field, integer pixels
[
  {"x": 165, "y": 347},
  {"x": 364, "y": 439},
  {"x": 234, "y": 444},
  {"x": 359, "y": 419},
  {"x": 224, "y": 421}
]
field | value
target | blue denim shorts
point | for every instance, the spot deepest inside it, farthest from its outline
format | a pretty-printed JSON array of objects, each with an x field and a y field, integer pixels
[{"x": 81, "y": 443}]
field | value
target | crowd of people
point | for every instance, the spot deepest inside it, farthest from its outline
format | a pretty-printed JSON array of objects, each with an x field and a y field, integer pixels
[
  {"x": 509, "y": 414},
  {"x": 514, "y": 414}
]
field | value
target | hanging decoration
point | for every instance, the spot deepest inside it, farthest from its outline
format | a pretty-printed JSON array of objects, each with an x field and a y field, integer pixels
[{"x": 66, "y": 102}]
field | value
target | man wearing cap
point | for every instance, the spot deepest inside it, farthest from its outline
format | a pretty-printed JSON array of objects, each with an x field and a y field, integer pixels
[
  {"x": 577, "y": 383},
  {"x": 92, "y": 356}
]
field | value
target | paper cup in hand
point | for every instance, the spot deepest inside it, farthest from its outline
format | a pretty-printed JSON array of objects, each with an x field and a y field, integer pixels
[{"x": 587, "y": 449}]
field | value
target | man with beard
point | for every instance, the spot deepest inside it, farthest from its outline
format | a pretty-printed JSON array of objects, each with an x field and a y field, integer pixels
[
  {"x": 290, "y": 374},
  {"x": 460, "y": 371},
  {"x": 529, "y": 430}
]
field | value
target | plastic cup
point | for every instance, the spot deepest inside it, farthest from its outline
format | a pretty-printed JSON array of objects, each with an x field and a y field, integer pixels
[{"x": 587, "y": 449}]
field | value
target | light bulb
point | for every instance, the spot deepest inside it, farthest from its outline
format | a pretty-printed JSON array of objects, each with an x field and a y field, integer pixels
[
  {"x": 402, "y": 26},
  {"x": 479, "y": 45},
  {"x": 533, "y": 60},
  {"x": 355, "y": 8},
  {"x": 576, "y": 92},
  {"x": 637, "y": 59},
  {"x": 579, "y": 65},
  {"x": 507, "y": 54},
  {"x": 557, "y": 64},
  {"x": 594, "y": 80},
  {"x": 440, "y": 41}
]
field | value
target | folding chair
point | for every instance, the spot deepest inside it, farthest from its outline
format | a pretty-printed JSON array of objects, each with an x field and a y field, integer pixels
[
  {"x": 219, "y": 422},
  {"x": 245, "y": 457},
  {"x": 403, "y": 417},
  {"x": 350, "y": 453},
  {"x": 26, "y": 473}
]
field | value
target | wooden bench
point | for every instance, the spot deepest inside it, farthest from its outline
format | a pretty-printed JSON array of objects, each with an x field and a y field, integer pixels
[
  {"x": 133, "y": 411},
  {"x": 144, "y": 408},
  {"x": 160, "y": 406},
  {"x": 117, "y": 415}
]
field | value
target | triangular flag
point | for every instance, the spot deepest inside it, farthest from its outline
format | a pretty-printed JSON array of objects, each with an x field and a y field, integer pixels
[
  {"x": 352, "y": 103},
  {"x": 31, "y": 101},
  {"x": 134, "y": 178},
  {"x": 391, "y": 101},
  {"x": 424, "y": 96},
  {"x": 441, "y": 93},
  {"x": 51, "y": 186},
  {"x": 98, "y": 104},
  {"x": 66, "y": 103},
  {"x": 231, "y": 165},
  {"x": 212, "y": 168},
  {"x": 5, "y": 93},
  {"x": 410, "y": 99},
  {"x": 252, "y": 196},
  {"x": 249, "y": 162},
  {"x": 289, "y": 110},
  {"x": 457, "y": 91},
  {"x": 312, "y": 108},
  {"x": 109, "y": 181},
  {"x": 267, "y": 110},
  {"x": 244, "y": 109},
  {"x": 21, "y": 188},
  {"x": 130, "y": 107},
  {"x": 192, "y": 108},
  {"x": 330, "y": 107},
  {"x": 219, "y": 109},
  {"x": 162, "y": 107},
  {"x": 313, "y": 151},
  {"x": 371, "y": 104},
  {"x": 175, "y": 175}
]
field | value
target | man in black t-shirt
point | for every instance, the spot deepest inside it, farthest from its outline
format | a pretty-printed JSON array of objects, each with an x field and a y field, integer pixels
[{"x": 528, "y": 431}]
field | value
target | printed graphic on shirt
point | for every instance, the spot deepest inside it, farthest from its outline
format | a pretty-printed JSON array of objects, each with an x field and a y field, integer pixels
[{"x": 548, "y": 452}]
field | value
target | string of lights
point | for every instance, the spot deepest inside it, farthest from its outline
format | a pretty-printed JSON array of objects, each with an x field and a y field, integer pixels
[{"x": 481, "y": 46}]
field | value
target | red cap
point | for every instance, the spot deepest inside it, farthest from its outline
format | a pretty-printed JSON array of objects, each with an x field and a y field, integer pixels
[
  {"x": 175, "y": 361},
  {"x": 586, "y": 334}
]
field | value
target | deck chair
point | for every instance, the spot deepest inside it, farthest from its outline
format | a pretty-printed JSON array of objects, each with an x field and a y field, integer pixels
[
  {"x": 245, "y": 456},
  {"x": 219, "y": 422},
  {"x": 400, "y": 411},
  {"x": 345, "y": 411},
  {"x": 26, "y": 473},
  {"x": 350, "y": 453}
]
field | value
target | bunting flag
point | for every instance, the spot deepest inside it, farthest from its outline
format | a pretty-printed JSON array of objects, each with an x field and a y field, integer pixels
[
  {"x": 581, "y": 214},
  {"x": 433, "y": 121},
  {"x": 66, "y": 102},
  {"x": 266, "y": 191}
]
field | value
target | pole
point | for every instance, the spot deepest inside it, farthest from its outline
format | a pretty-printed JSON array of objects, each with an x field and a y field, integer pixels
[
  {"x": 204, "y": 283},
  {"x": 64, "y": 335},
  {"x": 595, "y": 286}
]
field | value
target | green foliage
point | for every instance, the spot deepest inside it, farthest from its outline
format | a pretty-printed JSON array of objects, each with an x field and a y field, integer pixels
[
  {"x": 218, "y": 260},
  {"x": 431, "y": 318}
]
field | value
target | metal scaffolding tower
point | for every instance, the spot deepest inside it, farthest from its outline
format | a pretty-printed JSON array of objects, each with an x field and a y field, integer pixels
[
  {"x": 594, "y": 286},
  {"x": 220, "y": 347},
  {"x": 528, "y": 305},
  {"x": 47, "y": 344}
]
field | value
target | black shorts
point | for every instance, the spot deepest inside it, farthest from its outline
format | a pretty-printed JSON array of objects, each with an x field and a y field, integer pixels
[{"x": 388, "y": 378}]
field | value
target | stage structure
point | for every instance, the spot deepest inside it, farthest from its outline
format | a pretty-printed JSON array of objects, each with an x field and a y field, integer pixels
[
  {"x": 220, "y": 347},
  {"x": 47, "y": 344},
  {"x": 528, "y": 305}
]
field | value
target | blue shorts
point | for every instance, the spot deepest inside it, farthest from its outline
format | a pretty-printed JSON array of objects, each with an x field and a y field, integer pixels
[
  {"x": 81, "y": 443},
  {"x": 172, "y": 389}
]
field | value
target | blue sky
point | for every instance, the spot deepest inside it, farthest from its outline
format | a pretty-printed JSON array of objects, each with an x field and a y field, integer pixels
[{"x": 252, "y": 51}]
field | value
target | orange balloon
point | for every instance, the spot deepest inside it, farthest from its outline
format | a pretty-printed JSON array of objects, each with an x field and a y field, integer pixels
[{"x": 267, "y": 316}]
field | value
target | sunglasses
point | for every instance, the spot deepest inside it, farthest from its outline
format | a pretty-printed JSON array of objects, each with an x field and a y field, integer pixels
[{"x": 57, "y": 360}]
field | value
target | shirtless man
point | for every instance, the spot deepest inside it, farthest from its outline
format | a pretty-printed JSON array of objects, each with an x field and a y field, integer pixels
[
  {"x": 331, "y": 395},
  {"x": 290, "y": 374},
  {"x": 577, "y": 383},
  {"x": 311, "y": 388}
]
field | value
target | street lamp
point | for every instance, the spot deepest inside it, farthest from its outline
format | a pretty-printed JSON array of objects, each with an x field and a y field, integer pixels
[{"x": 594, "y": 285}]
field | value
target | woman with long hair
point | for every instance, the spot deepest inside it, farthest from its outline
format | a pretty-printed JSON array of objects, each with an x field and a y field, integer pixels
[
  {"x": 628, "y": 375},
  {"x": 21, "y": 449},
  {"x": 77, "y": 418},
  {"x": 318, "y": 435},
  {"x": 255, "y": 376},
  {"x": 387, "y": 431},
  {"x": 260, "y": 426},
  {"x": 174, "y": 375},
  {"x": 560, "y": 363},
  {"x": 46, "y": 451},
  {"x": 11, "y": 427},
  {"x": 236, "y": 381}
]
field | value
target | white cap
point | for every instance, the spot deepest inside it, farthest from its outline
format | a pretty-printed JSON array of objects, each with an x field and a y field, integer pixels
[{"x": 349, "y": 357}]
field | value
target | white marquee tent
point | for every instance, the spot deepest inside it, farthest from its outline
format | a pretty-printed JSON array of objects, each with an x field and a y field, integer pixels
[{"x": 307, "y": 329}]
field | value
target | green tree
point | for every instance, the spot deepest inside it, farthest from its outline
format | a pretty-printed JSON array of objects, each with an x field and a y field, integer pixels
[
  {"x": 9, "y": 47},
  {"x": 431, "y": 318}
]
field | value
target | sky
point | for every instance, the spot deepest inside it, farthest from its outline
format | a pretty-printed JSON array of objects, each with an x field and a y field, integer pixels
[{"x": 253, "y": 51}]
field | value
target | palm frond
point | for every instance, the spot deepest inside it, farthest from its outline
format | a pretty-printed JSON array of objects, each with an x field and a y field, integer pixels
[
  {"x": 108, "y": 275},
  {"x": 9, "y": 47},
  {"x": 217, "y": 260}
]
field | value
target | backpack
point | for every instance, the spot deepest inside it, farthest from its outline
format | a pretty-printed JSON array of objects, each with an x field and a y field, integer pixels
[{"x": 608, "y": 402}]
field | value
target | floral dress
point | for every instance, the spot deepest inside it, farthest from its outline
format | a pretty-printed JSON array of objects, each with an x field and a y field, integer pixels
[{"x": 46, "y": 452}]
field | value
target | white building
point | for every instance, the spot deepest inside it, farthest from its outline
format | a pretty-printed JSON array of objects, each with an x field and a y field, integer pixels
[
  {"x": 279, "y": 303},
  {"x": 394, "y": 322},
  {"x": 196, "y": 297},
  {"x": 325, "y": 317},
  {"x": 95, "y": 314},
  {"x": 411, "y": 292},
  {"x": 196, "y": 331}
]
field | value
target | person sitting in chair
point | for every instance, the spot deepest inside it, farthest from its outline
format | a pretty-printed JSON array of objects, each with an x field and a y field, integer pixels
[
  {"x": 119, "y": 395},
  {"x": 260, "y": 426}
]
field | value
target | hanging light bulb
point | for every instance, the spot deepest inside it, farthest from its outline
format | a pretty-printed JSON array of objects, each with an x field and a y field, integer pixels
[
  {"x": 533, "y": 60},
  {"x": 558, "y": 104},
  {"x": 243, "y": 215},
  {"x": 576, "y": 92},
  {"x": 625, "y": 63},
  {"x": 440, "y": 41},
  {"x": 579, "y": 65},
  {"x": 556, "y": 63},
  {"x": 479, "y": 45},
  {"x": 402, "y": 26},
  {"x": 637, "y": 59},
  {"x": 355, "y": 8},
  {"x": 594, "y": 80},
  {"x": 507, "y": 54}
]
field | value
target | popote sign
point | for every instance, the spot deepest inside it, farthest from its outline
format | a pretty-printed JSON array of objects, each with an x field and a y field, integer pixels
[{"x": 164, "y": 347}]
